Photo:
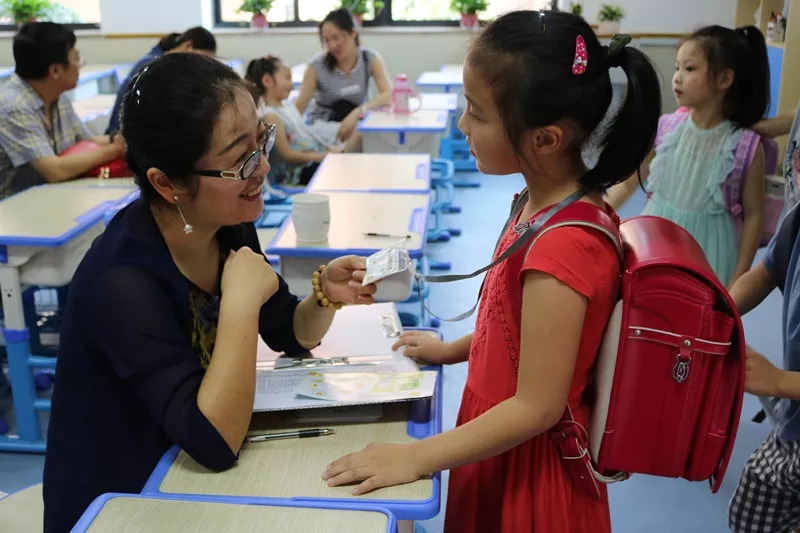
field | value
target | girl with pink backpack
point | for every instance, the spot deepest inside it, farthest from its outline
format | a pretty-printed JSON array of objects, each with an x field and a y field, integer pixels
[{"x": 707, "y": 170}]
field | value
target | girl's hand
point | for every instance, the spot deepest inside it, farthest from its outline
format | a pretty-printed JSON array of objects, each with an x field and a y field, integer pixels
[
  {"x": 376, "y": 466},
  {"x": 761, "y": 377},
  {"x": 425, "y": 348},
  {"x": 342, "y": 281}
]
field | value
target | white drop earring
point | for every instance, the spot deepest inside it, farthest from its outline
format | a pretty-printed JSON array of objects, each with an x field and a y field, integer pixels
[{"x": 187, "y": 228}]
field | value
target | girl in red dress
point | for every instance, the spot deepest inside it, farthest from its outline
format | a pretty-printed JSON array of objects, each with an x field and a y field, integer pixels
[{"x": 537, "y": 86}]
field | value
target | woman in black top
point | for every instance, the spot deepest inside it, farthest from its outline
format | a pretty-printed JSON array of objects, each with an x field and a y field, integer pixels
[{"x": 158, "y": 344}]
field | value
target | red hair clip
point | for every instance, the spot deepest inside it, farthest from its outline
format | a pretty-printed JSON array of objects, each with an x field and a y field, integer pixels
[{"x": 581, "y": 57}]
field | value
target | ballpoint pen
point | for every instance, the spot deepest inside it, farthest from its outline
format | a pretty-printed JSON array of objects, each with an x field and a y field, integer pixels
[
  {"x": 387, "y": 235},
  {"x": 299, "y": 434}
]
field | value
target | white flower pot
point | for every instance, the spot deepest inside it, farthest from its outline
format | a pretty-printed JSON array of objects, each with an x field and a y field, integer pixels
[{"x": 608, "y": 27}]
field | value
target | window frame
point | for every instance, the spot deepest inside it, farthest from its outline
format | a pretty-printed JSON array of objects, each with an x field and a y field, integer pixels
[
  {"x": 384, "y": 18},
  {"x": 73, "y": 26}
]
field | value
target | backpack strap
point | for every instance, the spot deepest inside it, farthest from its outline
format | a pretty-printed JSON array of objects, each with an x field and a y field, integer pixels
[
  {"x": 366, "y": 73},
  {"x": 569, "y": 436},
  {"x": 732, "y": 186},
  {"x": 668, "y": 123},
  {"x": 553, "y": 215}
]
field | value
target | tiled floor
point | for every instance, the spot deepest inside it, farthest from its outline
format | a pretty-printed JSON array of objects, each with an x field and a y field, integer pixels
[{"x": 641, "y": 504}]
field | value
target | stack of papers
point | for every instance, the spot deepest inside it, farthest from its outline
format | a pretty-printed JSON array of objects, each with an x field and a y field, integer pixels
[{"x": 358, "y": 347}]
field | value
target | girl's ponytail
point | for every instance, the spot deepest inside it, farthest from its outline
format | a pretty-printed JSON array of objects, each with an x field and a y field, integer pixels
[
  {"x": 169, "y": 41},
  {"x": 756, "y": 83},
  {"x": 256, "y": 70},
  {"x": 629, "y": 137}
]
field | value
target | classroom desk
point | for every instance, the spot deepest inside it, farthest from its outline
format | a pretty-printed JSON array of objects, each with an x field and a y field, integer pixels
[
  {"x": 418, "y": 132},
  {"x": 353, "y": 214},
  {"x": 22, "y": 511},
  {"x": 44, "y": 233},
  {"x": 452, "y": 68},
  {"x": 95, "y": 111},
  {"x": 291, "y": 469},
  {"x": 235, "y": 64},
  {"x": 265, "y": 236},
  {"x": 446, "y": 80},
  {"x": 94, "y": 80},
  {"x": 298, "y": 71},
  {"x": 103, "y": 183},
  {"x": 436, "y": 102},
  {"x": 128, "y": 513},
  {"x": 407, "y": 173}
]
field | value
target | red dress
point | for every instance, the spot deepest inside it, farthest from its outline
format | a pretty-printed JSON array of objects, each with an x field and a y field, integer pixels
[{"x": 527, "y": 489}]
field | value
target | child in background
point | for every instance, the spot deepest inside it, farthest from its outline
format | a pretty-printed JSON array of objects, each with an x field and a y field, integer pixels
[
  {"x": 722, "y": 76},
  {"x": 299, "y": 151},
  {"x": 537, "y": 86},
  {"x": 766, "y": 498}
]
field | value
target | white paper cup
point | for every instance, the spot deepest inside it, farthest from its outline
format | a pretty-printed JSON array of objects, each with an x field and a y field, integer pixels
[{"x": 311, "y": 214}]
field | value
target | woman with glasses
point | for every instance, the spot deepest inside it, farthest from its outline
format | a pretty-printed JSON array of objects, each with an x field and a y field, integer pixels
[{"x": 158, "y": 345}]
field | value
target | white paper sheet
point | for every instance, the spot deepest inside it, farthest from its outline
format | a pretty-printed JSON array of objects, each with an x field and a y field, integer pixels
[
  {"x": 358, "y": 387},
  {"x": 363, "y": 334}
]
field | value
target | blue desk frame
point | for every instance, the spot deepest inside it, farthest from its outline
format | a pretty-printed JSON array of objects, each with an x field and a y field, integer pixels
[
  {"x": 96, "y": 507},
  {"x": 21, "y": 362},
  {"x": 425, "y": 420}
]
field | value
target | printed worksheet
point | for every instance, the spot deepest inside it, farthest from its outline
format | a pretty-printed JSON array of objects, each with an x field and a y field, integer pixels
[{"x": 362, "y": 387}]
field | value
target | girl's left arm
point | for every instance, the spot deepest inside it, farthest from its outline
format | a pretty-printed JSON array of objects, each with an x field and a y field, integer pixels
[
  {"x": 753, "y": 222},
  {"x": 549, "y": 344}
]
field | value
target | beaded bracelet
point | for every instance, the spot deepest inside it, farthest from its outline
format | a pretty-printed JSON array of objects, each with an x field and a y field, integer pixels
[{"x": 316, "y": 285}]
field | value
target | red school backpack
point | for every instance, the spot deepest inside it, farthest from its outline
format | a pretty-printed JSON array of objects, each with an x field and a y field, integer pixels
[
  {"x": 732, "y": 186},
  {"x": 669, "y": 378}
]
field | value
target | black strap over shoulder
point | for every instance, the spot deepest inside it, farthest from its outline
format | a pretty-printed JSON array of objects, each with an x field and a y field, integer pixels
[{"x": 524, "y": 238}]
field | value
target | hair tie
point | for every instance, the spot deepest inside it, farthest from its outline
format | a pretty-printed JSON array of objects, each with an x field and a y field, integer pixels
[{"x": 618, "y": 42}]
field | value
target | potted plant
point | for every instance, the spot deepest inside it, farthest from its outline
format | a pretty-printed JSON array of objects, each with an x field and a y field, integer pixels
[
  {"x": 359, "y": 8},
  {"x": 468, "y": 9},
  {"x": 576, "y": 8},
  {"x": 22, "y": 11},
  {"x": 610, "y": 17},
  {"x": 259, "y": 10}
]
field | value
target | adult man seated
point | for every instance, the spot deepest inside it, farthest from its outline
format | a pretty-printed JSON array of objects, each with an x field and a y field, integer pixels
[{"x": 37, "y": 121}]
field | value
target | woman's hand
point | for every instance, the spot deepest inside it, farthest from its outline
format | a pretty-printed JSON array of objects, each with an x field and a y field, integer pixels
[
  {"x": 377, "y": 465},
  {"x": 342, "y": 281},
  {"x": 247, "y": 278},
  {"x": 426, "y": 348}
]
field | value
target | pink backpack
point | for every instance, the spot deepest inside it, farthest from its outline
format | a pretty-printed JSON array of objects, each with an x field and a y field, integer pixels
[{"x": 732, "y": 186}]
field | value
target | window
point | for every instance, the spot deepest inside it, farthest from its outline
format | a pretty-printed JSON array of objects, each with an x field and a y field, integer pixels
[
  {"x": 316, "y": 9},
  {"x": 498, "y": 7},
  {"x": 402, "y": 12},
  {"x": 411, "y": 10},
  {"x": 77, "y": 14}
]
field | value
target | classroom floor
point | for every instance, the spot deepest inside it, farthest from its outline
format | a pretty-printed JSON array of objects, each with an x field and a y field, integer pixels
[{"x": 640, "y": 504}]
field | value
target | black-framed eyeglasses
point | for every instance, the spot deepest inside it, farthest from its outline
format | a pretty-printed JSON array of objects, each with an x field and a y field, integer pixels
[{"x": 250, "y": 164}]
